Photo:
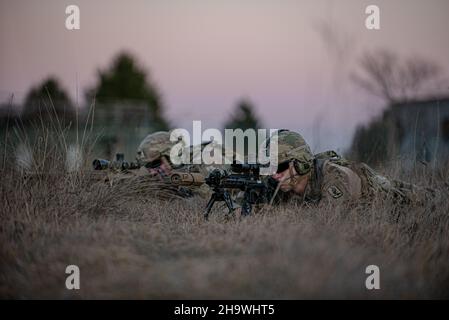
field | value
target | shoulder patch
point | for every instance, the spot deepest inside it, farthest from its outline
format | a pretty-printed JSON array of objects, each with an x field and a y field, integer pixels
[{"x": 334, "y": 191}]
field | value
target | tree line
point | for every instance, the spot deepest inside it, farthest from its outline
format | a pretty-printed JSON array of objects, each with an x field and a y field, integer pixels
[{"x": 125, "y": 82}]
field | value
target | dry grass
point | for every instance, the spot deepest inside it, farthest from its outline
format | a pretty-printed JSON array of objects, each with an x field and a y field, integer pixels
[{"x": 136, "y": 245}]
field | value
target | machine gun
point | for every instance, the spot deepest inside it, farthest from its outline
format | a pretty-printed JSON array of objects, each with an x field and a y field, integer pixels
[
  {"x": 244, "y": 177},
  {"x": 118, "y": 164}
]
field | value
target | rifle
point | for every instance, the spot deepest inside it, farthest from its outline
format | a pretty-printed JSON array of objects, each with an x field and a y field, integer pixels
[
  {"x": 118, "y": 164},
  {"x": 243, "y": 177},
  {"x": 163, "y": 180}
]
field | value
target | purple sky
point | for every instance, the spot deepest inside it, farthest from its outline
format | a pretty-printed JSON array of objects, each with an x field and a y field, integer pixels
[{"x": 205, "y": 55}]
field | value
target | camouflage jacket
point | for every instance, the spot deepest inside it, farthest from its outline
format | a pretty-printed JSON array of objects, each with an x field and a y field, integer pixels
[{"x": 337, "y": 181}]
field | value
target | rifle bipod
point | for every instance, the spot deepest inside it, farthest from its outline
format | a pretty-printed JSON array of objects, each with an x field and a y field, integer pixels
[{"x": 219, "y": 195}]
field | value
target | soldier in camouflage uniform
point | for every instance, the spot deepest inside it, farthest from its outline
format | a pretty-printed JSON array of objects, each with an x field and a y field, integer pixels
[
  {"x": 154, "y": 154},
  {"x": 327, "y": 178}
]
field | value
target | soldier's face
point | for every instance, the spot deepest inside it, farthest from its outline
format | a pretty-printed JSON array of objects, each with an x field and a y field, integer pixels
[
  {"x": 162, "y": 168},
  {"x": 286, "y": 184},
  {"x": 283, "y": 177}
]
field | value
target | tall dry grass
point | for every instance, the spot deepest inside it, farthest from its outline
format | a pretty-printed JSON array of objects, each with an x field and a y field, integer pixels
[{"x": 131, "y": 244}]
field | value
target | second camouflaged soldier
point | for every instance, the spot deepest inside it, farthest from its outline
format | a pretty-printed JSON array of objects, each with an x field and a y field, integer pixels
[
  {"x": 154, "y": 154},
  {"x": 326, "y": 178}
]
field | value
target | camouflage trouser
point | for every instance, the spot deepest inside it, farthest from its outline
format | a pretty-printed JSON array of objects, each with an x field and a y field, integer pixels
[{"x": 374, "y": 185}]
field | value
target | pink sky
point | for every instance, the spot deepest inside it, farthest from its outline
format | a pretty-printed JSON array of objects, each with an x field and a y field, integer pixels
[{"x": 205, "y": 55}]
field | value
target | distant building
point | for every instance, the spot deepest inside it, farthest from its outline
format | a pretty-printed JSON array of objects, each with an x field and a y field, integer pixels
[
  {"x": 122, "y": 126},
  {"x": 422, "y": 128}
]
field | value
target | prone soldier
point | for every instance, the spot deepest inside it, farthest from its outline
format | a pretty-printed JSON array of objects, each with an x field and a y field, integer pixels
[
  {"x": 153, "y": 153},
  {"x": 327, "y": 178}
]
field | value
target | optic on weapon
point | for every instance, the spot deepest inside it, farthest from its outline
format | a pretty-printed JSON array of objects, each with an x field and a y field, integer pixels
[
  {"x": 249, "y": 168},
  {"x": 100, "y": 164},
  {"x": 244, "y": 177},
  {"x": 119, "y": 163}
]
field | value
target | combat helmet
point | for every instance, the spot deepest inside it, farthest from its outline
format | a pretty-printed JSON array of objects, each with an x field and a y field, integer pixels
[
  {"x": 155, "y": 146},
  {"x": 293, "y": 148}
]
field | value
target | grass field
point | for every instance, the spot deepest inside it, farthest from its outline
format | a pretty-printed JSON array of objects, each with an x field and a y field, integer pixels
[{"x": 137, "y": 245}]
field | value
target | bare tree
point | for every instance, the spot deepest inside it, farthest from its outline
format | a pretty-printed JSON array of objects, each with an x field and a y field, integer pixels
[
  {"x": 386, "y": 76},
  {"x": 340, "y": 46}
]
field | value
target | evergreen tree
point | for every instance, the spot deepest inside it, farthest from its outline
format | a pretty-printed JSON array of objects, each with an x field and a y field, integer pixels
[
  {"x": 244, "y": 117},
  {"x": 48, "y": 99},
  {"x": 125, "y": 81}
]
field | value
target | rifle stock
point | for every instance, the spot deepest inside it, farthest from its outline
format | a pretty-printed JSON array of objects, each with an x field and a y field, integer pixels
[{"x": 187, "y": 179}]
